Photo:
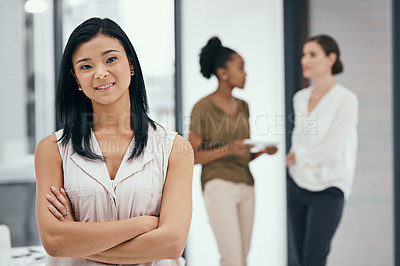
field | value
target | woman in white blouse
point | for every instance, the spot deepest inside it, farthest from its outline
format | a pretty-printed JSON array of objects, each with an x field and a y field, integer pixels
[{"x": 322, "y": 158}]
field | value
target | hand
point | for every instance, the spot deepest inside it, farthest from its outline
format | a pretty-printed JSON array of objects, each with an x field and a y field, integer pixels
[
  {"x": 238, "y": 147},
  {"x": 60, "y": 205},
  {"x": 270, "y": 150},
  {"x": 290, "y": 159}
]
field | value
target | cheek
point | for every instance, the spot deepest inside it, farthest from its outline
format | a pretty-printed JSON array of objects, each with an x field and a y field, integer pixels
[
  {"x": 124, "y": 72},
  {"x": 237, "y": 78},
  {"x": 323, "y": 65},
  {"x": 238, "y": 74},
  {"x": 84, "y": 79},
  {"x": 316, "y": 63}
]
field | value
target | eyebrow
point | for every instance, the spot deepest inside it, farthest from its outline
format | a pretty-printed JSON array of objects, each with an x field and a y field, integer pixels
[{"x": 103, "y": 54}]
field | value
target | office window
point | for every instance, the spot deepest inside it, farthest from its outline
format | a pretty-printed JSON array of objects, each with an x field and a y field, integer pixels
[{"x": 150, "y": 27}]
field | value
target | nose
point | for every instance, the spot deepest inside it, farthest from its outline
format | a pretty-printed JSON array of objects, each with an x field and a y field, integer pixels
[{"x": 101, "y": 73}]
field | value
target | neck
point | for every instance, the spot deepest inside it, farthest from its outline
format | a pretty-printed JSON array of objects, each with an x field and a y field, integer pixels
[
  {"x": 224, "y": 91},
  {"x": 323, "y": 83},
  {"x": 115, "y": 117}
]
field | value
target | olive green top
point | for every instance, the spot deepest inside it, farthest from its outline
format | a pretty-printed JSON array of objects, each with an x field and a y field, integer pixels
[{"x": 217, "y": 128}]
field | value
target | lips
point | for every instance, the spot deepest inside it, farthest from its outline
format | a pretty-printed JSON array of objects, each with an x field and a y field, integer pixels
[{"x": 105, "y": 86}]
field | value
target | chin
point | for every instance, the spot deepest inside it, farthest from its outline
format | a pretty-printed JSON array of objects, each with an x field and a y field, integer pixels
[
  {"x": 241, "y": 86},
  {"x": 306, "y": 75}
]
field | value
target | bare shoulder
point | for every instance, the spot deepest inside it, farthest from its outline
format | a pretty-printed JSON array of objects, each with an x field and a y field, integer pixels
[
  {"x": 180, "y": 163},
  {"x": 182, "y": 146},
  {"x": 181, "y": 158},
  {"x": 47, "y": 150}
]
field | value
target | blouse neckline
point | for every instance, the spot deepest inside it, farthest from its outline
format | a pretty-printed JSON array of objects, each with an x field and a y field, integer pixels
[
  {"x": 320, "y": 102},
  {"x": 124, "y": 158},
  {"x": 222, "y": 111}
]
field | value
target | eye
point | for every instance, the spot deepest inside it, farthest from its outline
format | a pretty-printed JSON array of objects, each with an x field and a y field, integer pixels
[
  {"x": 111, "y": 59},
  {"x": 312, "y": 54},
  {"x": 85, "y": 67}
]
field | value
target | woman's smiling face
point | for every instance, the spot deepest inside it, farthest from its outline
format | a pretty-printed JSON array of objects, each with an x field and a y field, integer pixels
[{"x": 102, "y": 69}]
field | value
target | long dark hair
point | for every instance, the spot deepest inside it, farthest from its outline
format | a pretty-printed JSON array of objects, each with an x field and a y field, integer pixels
[
  {"x": 329, "y": 45},
  {"x": 75, "y": 110},
  {"x": 213, "y": 56}
]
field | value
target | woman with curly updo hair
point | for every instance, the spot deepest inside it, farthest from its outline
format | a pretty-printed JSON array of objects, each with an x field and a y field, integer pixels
[{"x": 219, "y": 124}]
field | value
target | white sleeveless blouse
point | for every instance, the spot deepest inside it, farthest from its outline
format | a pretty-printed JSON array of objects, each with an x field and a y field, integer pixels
[{"x": 135, "y": 191}]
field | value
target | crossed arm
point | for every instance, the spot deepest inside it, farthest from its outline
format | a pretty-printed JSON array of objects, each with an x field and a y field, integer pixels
[
  {"x": 134, "y": 240},
  {"x": 340, "y": 130}
]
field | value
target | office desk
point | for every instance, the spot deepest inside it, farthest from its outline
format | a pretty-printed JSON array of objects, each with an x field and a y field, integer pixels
[
  {"x": 21, "y": 256},
  {"x": 17, "y": 200}
]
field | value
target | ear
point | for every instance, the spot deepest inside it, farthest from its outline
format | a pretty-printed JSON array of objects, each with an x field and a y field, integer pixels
[
  {"x": 130, "y": 59},
  {"x": 332, "y": 58},
  {"x": 221, "y": 72},
  {"x": 73, "y": 74}
]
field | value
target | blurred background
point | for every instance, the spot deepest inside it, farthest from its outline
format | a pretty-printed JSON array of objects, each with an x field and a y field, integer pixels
[{"x": 168, "y": 36}]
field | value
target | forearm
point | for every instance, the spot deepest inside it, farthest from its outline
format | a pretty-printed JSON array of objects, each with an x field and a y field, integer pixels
[
  {"x": 255, "y": 155},
  {"x": 78, "y": 239},
  {"x": 329, "y": 150},
  {"x": 75, "y": 239},
  {"x": 169, "y": 239},
  {"x": 208, "y": 156},
  {"x": 318, "y": 155},
  {"x": 155, "y": 245},
  {"x": 342, "y": 130}
]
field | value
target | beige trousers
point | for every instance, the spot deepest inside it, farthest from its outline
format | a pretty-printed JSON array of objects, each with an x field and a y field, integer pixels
[{"x": 230, "y": 208}]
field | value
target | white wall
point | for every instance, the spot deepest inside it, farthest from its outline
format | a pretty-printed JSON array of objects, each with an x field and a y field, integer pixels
[{"x": 255, "y": 30}]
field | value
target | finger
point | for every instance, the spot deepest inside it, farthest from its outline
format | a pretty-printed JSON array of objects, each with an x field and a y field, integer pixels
[
  {"x": 64, "y": 193},
  {"x": 58, "y": 205},
  {"x": 274, "y": 148},
  {"x": 67, "y": 205},
  {"x": 60, "y": 196},
  {"x": 56, "y": 213},
  {"x": 56, "y": 192}
]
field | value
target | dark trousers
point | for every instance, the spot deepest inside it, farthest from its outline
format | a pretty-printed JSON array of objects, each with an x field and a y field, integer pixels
[{"x": 314, "y": 218}]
